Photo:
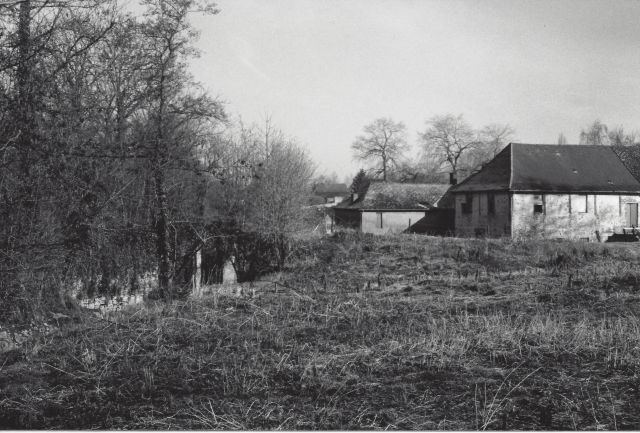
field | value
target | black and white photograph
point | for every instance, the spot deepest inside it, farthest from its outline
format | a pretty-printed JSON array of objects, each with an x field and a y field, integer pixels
[{"x": 255, "y": 215}]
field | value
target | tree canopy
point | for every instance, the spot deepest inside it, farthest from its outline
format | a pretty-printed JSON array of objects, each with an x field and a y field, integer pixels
[{"x": 382, "y": 144}]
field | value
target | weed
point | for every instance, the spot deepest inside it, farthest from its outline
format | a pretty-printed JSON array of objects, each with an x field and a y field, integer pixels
[
  {"x": 487, "y": 413},
  {"x": 313, "y": 350}
]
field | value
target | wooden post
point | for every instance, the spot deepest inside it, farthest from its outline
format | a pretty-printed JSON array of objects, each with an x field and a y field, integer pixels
[{"x": 197, "y": 274}]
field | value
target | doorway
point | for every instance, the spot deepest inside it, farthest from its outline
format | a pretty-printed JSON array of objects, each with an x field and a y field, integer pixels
[{"x": 631, "y": 214}]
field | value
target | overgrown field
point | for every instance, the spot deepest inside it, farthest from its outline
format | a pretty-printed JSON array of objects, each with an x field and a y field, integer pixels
[{"x": 360, "y": 332}]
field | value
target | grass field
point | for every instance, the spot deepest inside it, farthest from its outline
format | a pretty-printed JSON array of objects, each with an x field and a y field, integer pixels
[{"x": 404, "y": 332}]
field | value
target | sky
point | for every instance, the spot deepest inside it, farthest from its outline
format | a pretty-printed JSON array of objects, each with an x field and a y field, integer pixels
[{"x": 323, "y": 69}]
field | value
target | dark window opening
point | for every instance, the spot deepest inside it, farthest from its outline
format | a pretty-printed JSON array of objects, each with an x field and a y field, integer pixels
[
  {"x": 467, "y": 206},
  {"x": 379, "y": 219},
  {"x": 538, "y": 204},
  {"x": 491, "y": 203}
]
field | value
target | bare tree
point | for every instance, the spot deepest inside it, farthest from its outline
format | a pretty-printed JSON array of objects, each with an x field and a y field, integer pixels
[
  {"x": 423, "y": 170},
  {"x": 278, "y": 194},
  {"x": 264, "y": 185},
  {"x": 495, "y": 137},
  {"x": 562, "y": 139},
  {"x": 597, "y": 133},
  {"x": 491, "y": 140},
  {"x": 171, "y": 106},
  {"x": 41, "y": 45},
  {"x": 618, "y": 137},
  {"x": 101, "y": 135},
  {"x": 449, "y": 138},
  {"x": 383, "y": 142}
]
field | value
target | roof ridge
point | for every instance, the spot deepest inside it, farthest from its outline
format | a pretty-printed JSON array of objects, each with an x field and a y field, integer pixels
[{"x": 562, "y": 145}]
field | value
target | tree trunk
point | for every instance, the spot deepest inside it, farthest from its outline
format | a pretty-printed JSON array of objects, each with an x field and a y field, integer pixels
[
  {"x": 24, "y": 52},
  {"x": 384, "y": 168},
  {"x": 162, "y": 224},
  {"x": 25, "y": 82},
  {"x": 162, "y": 239}
]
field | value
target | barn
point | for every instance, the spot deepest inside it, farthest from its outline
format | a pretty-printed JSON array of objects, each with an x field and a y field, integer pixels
[
  {"x": 388, "y": 207},
  {"x": 554, "y": 191}
]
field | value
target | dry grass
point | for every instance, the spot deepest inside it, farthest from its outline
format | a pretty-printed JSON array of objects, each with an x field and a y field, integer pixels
[{"x": 402, "y": 332}]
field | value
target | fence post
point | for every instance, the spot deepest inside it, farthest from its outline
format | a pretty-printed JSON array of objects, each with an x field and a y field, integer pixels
[{"x": 197, "y": 274}]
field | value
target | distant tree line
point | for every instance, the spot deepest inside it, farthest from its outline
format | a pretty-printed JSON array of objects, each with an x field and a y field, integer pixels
[
  {"x": 448, "y": 145},
  {"x": 599, "y": 133},
  {"x": 451, "y": 146}
]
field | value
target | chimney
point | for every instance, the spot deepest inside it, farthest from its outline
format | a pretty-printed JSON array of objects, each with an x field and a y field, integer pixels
[{"x": 452, "y": 178}]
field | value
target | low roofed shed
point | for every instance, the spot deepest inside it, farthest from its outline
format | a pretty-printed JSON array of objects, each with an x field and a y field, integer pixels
[{"x": 397, "y": 196}]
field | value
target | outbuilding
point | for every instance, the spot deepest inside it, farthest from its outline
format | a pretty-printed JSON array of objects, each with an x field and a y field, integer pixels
[{"x": 388, "y": 207}]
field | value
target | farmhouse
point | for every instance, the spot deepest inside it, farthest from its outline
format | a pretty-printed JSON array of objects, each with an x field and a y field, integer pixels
[
  {"x": 395, "y": 208},
  {"x": 554, "y": 191}
]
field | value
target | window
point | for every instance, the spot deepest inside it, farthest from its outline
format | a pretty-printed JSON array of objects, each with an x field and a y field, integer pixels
[
  {"x": 491, "y": 203},
  {"x": 467, "y": 206},
  {"x": 538, "y": 204},
  {"x": 631, "y": 214},
  {"x": 379, "y": 220}
]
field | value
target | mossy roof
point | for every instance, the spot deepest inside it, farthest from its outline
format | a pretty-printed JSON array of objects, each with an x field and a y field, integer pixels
[{"x": 397, "y": 196}]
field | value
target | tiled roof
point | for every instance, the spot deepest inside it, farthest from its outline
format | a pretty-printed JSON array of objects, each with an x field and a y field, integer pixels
[
  {"x": 397, "y": 196},
  {"x": 331, "y": 189},
  {"x": 630, "y": 157},
  {"x": 553, "y": 168}
]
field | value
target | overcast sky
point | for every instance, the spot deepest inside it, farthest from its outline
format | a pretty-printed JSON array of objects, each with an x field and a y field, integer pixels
[{"x": 323, "y": 69}]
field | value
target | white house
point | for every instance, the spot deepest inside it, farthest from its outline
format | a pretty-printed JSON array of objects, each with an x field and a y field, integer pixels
[{"x": 553, "y": 191}]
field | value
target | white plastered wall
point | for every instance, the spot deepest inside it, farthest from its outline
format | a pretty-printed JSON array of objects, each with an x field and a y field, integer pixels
[{"x": 563, "y": 216}]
